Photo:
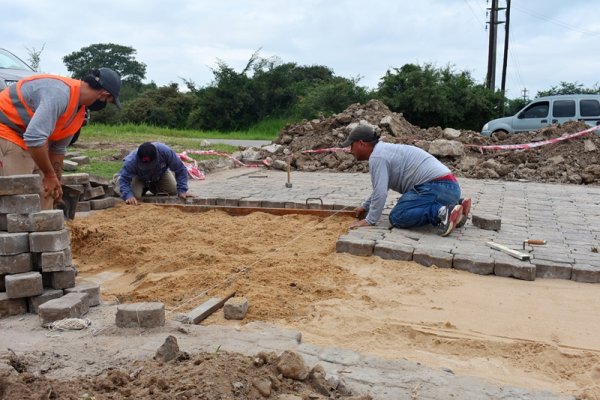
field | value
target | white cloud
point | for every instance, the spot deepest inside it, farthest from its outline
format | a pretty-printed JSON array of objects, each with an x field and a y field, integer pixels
[{"x": 551, "y": 41}]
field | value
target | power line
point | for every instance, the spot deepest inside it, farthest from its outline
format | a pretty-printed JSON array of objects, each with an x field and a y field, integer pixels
[
  {"x": 474, "y": 14},
  {"x": 555, "y": 21}
]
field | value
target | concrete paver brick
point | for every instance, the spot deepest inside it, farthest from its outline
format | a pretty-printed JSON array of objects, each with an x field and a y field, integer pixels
[
  {"x": 20, "y": 184},
  {"x": 552, "y": 269},
  {"x": 75, "y": 179},
  {"x": 62, "y": 279},
  {"x": 354, "y": 245},
  {"x": 71, "y": 305},
  {"x": 16, "y": 264},
  {"x": 91, "y": 289},
  {"x": 235, "y": 308},
  {"x": 140, "y": 315},
  {"x": 46, "y": 220},
  {"x": 33, "y": 303},
  {"x": 429, "y": 257},
  {"x": 20, "y": 204},
  {"x": 53, "y": 261},
  {"x": 3, "y": 221},
  {"x": 511, "y": 267},
  {"x": 9, "y": 307},
  {"x": 83, "y": 206},
  {"x": 474, "y": 263},
  {"x": 13, "y": 243},
  {"x": 585, "y": 273},
  {"x": 393, "y": 251},
  {"x": 93, "y": 192},
  {"x": 26, "y": 284},
  {"x": 101, "y": 204},
  {"x": 487, "y": 222},
  {"x": 40, "y": 242}
]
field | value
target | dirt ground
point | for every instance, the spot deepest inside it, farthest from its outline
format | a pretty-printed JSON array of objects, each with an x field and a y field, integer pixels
[{"x": 540, "y": 334}]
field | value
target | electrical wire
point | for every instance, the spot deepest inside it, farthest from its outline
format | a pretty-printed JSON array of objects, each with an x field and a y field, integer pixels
[{"x": 555, "y": 21}]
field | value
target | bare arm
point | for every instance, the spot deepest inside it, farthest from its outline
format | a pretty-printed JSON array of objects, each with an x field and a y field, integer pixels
[{"x": 45, "y": 161}]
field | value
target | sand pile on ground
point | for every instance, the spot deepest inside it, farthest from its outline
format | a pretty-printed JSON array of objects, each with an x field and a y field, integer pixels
[
  {"x": 571, "y": 161},
  {"x": 540, "y": 334}
]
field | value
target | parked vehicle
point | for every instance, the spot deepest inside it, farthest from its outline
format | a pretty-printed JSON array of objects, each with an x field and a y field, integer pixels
[
  {"x": 12, "y": 68},
  {"x": 548, "y": 110}
]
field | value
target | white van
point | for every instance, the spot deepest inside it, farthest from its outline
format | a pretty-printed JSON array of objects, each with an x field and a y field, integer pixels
[{"x": 548, "y": 110}]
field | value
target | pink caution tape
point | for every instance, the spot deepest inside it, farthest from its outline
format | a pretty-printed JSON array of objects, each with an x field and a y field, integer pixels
[
  {"x": 192, "y": 165},
  {"x": 535, "y": 144},
  {"x": 329, "y": 150}
]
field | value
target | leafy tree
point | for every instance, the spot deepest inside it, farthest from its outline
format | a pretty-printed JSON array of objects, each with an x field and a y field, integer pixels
[
  {"x": 118, "y": 57},
  {"x": 330, "y": 98},
  {"x": 569, "y": 88},
  {"x": 164, "y": 106},
  {"x": 429, "y": 96},
  {"x": 35, "y": 57}
]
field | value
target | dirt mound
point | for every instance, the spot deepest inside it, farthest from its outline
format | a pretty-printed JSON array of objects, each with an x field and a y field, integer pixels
[
  {"x": 570, "y": 161},
  {"x": 219, "y": 375}
]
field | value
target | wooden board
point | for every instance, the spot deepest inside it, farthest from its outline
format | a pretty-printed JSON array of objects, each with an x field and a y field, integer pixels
[{"x": 237, "y": 211}]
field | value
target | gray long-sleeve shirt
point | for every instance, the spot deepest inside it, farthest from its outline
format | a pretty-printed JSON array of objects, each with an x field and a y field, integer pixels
[
  {"x": 48, "y": 99},
  {"x": 398, "y": 167}
]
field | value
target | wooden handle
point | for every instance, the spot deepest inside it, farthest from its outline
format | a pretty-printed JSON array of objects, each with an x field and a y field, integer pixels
[{"x": 538, "y": 242}]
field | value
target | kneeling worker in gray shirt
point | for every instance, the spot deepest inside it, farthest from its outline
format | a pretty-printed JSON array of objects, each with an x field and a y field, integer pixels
[{"x": 430, "y": 192}]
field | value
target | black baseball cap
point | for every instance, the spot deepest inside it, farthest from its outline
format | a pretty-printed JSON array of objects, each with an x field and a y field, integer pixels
[
  {"x": 111, "y": 82},
  {"x": 365, "y": 133},
  {"x": 147, "y": 156}
]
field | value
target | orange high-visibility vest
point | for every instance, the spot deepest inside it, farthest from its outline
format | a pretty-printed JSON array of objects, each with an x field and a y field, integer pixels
[{"x": 15, "y": 113}]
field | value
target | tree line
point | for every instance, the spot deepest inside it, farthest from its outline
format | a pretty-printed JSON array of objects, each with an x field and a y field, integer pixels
[{"x": 268, "y": 88}]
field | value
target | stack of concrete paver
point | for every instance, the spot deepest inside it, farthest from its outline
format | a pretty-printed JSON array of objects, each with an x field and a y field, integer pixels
[
  {"x": 36, "y": 266},
  {"x": 95, "y": 194}
]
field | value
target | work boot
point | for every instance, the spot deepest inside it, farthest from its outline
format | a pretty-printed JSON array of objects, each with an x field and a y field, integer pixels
[
  {"x": 449, "y": 216},
  {"x": 466, "y": 209}
]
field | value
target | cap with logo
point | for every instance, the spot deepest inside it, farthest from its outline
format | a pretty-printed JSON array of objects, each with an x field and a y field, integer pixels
[{"x": 147, "y": 156}]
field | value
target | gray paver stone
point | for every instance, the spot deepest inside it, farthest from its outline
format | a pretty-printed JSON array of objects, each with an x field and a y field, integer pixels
[
  {"x": 92, "y": 290},
  {"x": 92, "y": 193},
  {"x": 339, "y": 356},
  {"x": 26, "y": 284},
  {"x": 10, "y": 306},
  {"x": 40, "y": 242},
  {"x": 53, "y": 261},
  {"x": 509, "y": 267},
  {"x": 45, "y": 220},
  {"x": 72, "y": 305},
  {"x": 440, "y": 259},
  {"x": 393, "y": 251},
  {"x": 101, "y": 204},
  {"x": 354, "y": 245},
  {"x": 3, "y": 221},
  {"x": 20, "y": 204},
  {"x": 235, "y": 308},
  {"x": 487, "y": 222},
  {"x": 75, "y": 179},
  {"x": 474, "y": 263},
  {"x": 83, "y": 206},
  {"x": 62, "y": 279},
  {"x": 47, "y": 295},
  {"x": 140, "y": 315},
  {"x": 585, "y": 273},
  {"x": 15, "y": 264},
  {"x": 13, "y": 243},
  {"x": 550, "y": 269},
  {"x": 20, "y": 184}
]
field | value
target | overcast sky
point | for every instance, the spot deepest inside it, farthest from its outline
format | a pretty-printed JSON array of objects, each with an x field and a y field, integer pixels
[{"x": 550, "y": 40}]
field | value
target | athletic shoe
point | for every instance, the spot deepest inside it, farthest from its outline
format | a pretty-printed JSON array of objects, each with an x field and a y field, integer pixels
[
  {"x": 466, "y": 206},
  {"x": 449, "y": 216}
]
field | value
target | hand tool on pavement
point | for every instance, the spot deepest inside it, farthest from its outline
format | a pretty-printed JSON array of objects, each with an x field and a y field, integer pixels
[
  {"x": 68, "y": 202},
  {"x": 288, "y": 184},
  {"x": 533, "y": 242},
  {"x": 513, "y": 253}
]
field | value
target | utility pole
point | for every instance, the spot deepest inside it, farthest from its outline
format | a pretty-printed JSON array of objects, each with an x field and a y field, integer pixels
[
  {"x": 490, "y": 80},
  {"x": 524, "y": 94},
  {"x": 505, "y": 60}
]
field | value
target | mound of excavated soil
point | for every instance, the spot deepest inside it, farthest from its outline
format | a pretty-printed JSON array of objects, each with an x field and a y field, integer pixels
[{"x": 571, "y": 161}]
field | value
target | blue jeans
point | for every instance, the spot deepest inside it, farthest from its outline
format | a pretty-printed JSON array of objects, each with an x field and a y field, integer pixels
[{"x": 420, "y": 205}]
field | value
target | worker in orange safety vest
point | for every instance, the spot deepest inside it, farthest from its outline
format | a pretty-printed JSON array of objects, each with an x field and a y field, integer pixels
[{"x": 39, "y": 116}]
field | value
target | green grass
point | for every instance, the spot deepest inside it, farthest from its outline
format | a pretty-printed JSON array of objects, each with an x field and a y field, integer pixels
[{"x": 103, "y": 143}]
